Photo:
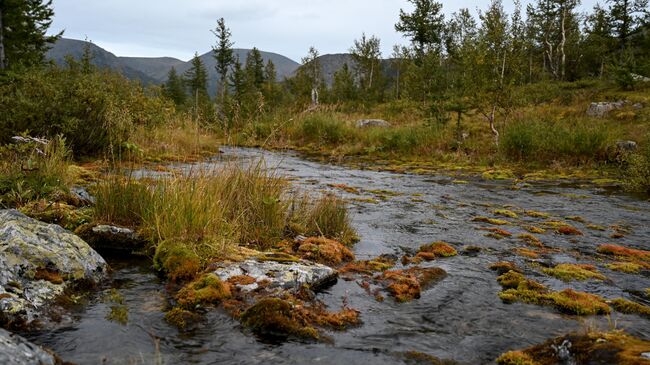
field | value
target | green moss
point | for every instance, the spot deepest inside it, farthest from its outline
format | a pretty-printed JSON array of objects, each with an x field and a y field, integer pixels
[
  {"x": 118, "y": 313},
  {"x": 568, "y": 272},
  {"x": 503, "y": 174},
  {"x": 277, "y": 318},
  {"x": 535, "y": 229},
  {"x": 208, "y": 289},
  {"x": 629, "y": 307},
  {"x": 277, "y": 257},
  {"x": 506, "y": 213},
  {"x": 515, "y": 358},
  {"x": 177, "y": 260},
  {"x": 493, "y": 221},
  {"x": 181, "y": 318},
  {"x": 503, "y": 267},
  {"x": 536, "y": 214},
  {"x": 596, "y": 227},
  {"x": 626, "y": 267}
]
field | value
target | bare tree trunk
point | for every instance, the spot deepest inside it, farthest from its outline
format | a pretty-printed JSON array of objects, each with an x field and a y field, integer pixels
[
  {"x": 2, "y": 43},
  {"x": 493, "y": 128},
  {"x": 562, "y": 43},
  {"x": 372, "y": 74},
  {"x": 314, "y": 97}
]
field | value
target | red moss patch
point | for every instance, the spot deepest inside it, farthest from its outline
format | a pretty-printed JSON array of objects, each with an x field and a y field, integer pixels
[
  {"x": 241, "y": 280},
  {"x": 437, "y": 249},
  {"x": 324, "y": 251},
  {"x": 208, "y": 289},
  {"x": 620, "y": 251},
  {"x": 406, "y": 285},
  {"x": 369, "y": 267},
  {"x": 569, "y": 231},
  {"x": 503, "y": 267},
  {"x": 52, "y": 276}
]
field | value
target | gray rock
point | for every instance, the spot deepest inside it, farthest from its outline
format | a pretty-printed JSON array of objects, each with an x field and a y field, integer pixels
[
  {"x": 640, "y": 78},
  {"x": 637, "y": 106},
  {"x": 16, "y": 350},
  {"x": 29, "y": 248},
  {"x": 601, "y": 109},
  {"x": 113, "y": 238},
  {"x": 279, "y": 276},
  {"x": 81, "y": 194},
  {"x": 645, "y": 355},
  {"x": 364, "y": 123},
  {"x": 626, "y": 146}
]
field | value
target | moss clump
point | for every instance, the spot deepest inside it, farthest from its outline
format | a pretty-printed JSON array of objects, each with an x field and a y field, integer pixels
[
  {"x": 277, "y": 257},
  {"x": 504, "y": 174},
  {"x": 535, "y": 229},
  {"x": 525, "y": 252},
  {"x": 503, "y": 267},
  {"x": 614, "y": 347},
  {"x": 620, "y": 251},
  {"x": 531, "y": 240},
  {"x": 415, "y": 357},
  {"x": 493, "y": 221},
  {"x": 178, "y": 261},
  {"x": 53, "y": 276},
  {"x": 629, "y": 307},
  {"x": 208, "y": 289},
  {"x": 569, "y": 231},
  {"x": 181, "y": 318},
  {"x": 242, "y": 280},
  {"x": 368, "y": 267},
  {"x": 341, "y": 320},
  {"x": 325, "y": 251},
  {"x": 406, "y": 285},
  {"x": 555, "y": 224},
  {"x": 626, "y": 267},
  {"x": 519, "y": 289},
  {"x": 515, "y": 358},
  {"x": 119, "y": 313},
  {"x": 497, "y": 233},
  {"x": 60, "y": 213},
  {"x": 580, "y": 303},
  {"x": 436, "y": 249},
  {"x": 596, "y": 227},
  {"x": 506, "y": 213},
  {"x": 568, "y": 272},
  {"x": 535, "y": 214},
  {"x": 273, "y": 317}
]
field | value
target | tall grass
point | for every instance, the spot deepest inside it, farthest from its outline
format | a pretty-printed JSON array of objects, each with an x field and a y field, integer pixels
[
  {"x": 638, "y": 169},
  {"x": 33, "y": 169},
  {"x": 210, "y": 212},
  {"x": 574, "y": 141}
]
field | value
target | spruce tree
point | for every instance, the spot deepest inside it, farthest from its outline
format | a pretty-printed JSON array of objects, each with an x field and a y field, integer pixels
[
  {"x": 23, "y": 27},
  {"x": 174, "y": 88},
  {"x": 424, "y": 26},
  {"x": 223, "y": 54},
  {"x": 196, "y": 77},
  {"x": 254, "y": 68},
  {"x": 627, "y": 18}
]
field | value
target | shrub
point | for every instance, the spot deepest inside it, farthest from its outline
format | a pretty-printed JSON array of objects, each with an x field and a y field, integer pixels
[
  {"x": 638, "y": 169},
  {"x": 323, "y": 129},
  {"x": 93, "y": 110}
]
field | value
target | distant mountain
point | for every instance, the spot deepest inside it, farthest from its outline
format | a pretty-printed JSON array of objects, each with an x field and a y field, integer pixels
[
  {"x": 331, "y": 63},
  {"x": 155, "y": 70}
]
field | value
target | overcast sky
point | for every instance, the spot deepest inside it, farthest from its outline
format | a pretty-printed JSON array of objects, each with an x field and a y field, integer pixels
[{"x": 178, "y": 28}]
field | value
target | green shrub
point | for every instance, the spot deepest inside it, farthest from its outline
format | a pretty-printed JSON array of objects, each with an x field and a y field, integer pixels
[
  {"x": 93, "y": 110},
  {"x": 638, "y": 169},
  {"x": 324, "y": 129}
]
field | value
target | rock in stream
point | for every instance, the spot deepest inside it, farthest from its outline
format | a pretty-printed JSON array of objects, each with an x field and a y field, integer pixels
[{"x": 38, "y": 261}]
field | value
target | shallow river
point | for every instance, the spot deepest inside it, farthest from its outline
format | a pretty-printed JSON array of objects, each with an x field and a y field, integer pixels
[{"x": 460, "y": 318}]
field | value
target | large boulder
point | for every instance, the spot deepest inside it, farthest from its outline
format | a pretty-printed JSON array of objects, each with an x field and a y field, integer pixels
[
  {"x": 365, "y": 123},
  {"x": 601, "y": 109},
  {"x": 16, "y": 350},
  {"x": 111, "y": 238},
  {"x": 38, "y": 262},
  {"x": 272, "y": 275}
]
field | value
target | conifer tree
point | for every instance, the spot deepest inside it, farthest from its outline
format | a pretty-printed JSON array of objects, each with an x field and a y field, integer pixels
[
  {"x": 424, "y": 26},
  {"x": 254, "y": 68},
  {"x": 23, "y": 27},
  {"x": 343, "y": 86},
  {"x": 223, "y": 54},
  {"x": 174, "y": 88}
]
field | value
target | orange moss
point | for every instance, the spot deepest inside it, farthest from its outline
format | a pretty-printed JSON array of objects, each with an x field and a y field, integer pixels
[
  {"x": 181, "y": 318},
  {"x": 52, "y": 276},
  {"x": 381, "y": 263},
  {"x": 629, "y": 307},
  {"x": 535, "y": 229},
  {"x": 531, "y": 240},
  {"x": 325, "y": 251},
  {"x": 406, "y": 285},
  {"x": 503, "y": 267},
  {"x": 497, "y": 233},
  {"x": 625, "y": 252},
  {"x": 241, "y": 280},
  {"x": 277, "y": 318},
  {"x": 493, "y": 221},
  {"x": 531, "y": 254},
  {"x": 569, "y": 231},
  {"x": 436, "y": 249},
  {"x": 626, "y": 267},
  {"x": 580, "y": 303},
  {"x": 341, "y": 320},
  {"x": 208, "y": 289},
  {"x": 614, "y": 347}
]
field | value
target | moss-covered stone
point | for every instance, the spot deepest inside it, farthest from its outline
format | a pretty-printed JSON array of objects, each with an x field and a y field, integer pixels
[
  {"x": 324, "y": 251},
  {"x": 177, "y": 260},
  {"x": 503, "y": 267},
  {"x": 275, "y": 317},
  {"x": 516, "y": 358},
  {"x": 629, "y": 307},
  {"x": 208, "y": 289},
  {"x": 626, "y": 267},
  {"x": 493, "y": 221},
  {"x": 406, "y": 285},
  {"x": 436, "y": 249},
  {"x": 506, "y": 213},
  {"x": 368, "y": 267}
]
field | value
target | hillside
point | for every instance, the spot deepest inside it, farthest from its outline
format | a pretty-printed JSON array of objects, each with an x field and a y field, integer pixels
[{"x": 154, "y": 70}]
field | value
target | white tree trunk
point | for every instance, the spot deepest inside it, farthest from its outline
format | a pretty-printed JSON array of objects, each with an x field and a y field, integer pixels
[{"x": 562, "y": 44}]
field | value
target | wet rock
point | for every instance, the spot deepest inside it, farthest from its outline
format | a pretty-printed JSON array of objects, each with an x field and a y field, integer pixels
[
  {"x": 640, "y": 78},
  {"x": 278, "y": 275},
  {"x": 637, "y": 106},
  {"x": 645, "y": 355},
  {"x": 112, "y": 238},
  {"x": 626, "y": 146},
  {"x": 38, "y": 261},
  {"x": 82, "y": 195},
  {"x": 365, "y": 123},
  {"x": 601, "y": 109},
  {"x": 16, "y": 350}
]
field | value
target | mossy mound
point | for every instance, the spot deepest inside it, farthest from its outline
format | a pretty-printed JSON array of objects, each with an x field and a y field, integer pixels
[
  {"x": 503, "y": 267},
  {"x": 324, "y": 251},
  {"x": 493, "y": 221},
  {"x": 368, "y": 267},
  {"x": 536, "y": 214},
  {"x": 624, "y": 252},
  {"x": 626, "y": 267},
  {"x": 592, "y": 348},
  {"x": 506, "y": 213},
  {"x": 568, "y": 272},
  {"x": 208, "y": 289},
  {"x": 277, "y": 318},
  {"x": 406, "y": 285},
  {"x": 181, "y": 318},
  {"x": 434, "y": 250},
  {"x": 530, "y": 240},
  {"x": 60, "y": 213},
  {"x": 419, "y": 358},
  {"x": 497, "y": 233},
  {"x": 629, "y": 307},
  {"x": 535, "y": 229},
  {"x": 519, "y": 289},
  {"x": 569, "y": 231},
  {"x": 176, "y": 260},
  {"x": 526, "y": 252}
]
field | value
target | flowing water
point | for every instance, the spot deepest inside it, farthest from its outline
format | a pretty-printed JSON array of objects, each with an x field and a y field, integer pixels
[{"x": 460, "y": 318}]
